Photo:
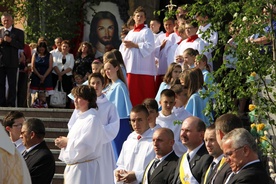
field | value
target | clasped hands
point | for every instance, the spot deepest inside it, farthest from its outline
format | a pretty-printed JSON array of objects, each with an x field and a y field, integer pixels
[
  {"x": 61, "y": 142},
  {"x": 125, "y": 176}
]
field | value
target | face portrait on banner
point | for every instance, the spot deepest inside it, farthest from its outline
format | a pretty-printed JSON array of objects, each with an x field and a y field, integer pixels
[{"x": 104, "y": 29}]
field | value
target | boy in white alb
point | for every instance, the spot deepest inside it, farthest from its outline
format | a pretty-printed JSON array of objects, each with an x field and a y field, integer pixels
[
  {"x": 137, "y": 150},
  {"x": 168, "y": 119},
  {"x": 162, "y": 46},
  {"x": 193, "y": 41}
]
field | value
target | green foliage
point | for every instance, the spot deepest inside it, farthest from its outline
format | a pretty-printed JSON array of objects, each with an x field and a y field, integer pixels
[{"x": 254, "y": 76}]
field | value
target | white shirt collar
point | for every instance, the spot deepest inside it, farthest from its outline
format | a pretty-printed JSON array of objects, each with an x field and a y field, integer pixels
[
  {"x": 218, "y": 159},
  {"x": 194, "y": 151},
  {"x": 29, "y": 149},
  {"x": 18, "y": 142},
  {"x": 10, "y": 28},
  {"x": 163, "y": 158}
]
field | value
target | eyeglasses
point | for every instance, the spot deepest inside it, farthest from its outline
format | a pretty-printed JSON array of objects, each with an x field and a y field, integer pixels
[
  {"x": 17, "y": 126},
  {"x": 230, "y": 153}
]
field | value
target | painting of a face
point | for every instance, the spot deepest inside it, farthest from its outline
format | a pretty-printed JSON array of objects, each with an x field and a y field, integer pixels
[{"x": 105, "y": 31}]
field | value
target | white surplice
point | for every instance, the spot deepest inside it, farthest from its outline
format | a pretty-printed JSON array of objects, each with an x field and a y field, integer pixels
[
  {"x": 168, "y": 122},
  {"x": 140, "y": 60},
  {"x": 83, "y": 150},
  {"x": 111, "y": 125},
  {"x": 136, "y": 154}
]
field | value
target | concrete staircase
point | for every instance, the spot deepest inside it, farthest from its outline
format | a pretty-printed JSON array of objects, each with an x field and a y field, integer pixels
[{"x": 55, "y": 121}]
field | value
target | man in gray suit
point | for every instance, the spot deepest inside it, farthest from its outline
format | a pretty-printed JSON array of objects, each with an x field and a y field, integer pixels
[{"x": 11, "y": 39}]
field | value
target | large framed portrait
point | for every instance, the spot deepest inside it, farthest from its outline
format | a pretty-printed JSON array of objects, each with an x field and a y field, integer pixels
[{"x": 105, "y": 26}]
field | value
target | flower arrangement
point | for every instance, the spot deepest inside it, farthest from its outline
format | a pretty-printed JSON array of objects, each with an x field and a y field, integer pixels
[{"x": 259, "y": 130}]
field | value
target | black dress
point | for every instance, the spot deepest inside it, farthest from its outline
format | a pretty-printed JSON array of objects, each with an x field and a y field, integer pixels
[
  {"x": 41, "y": 65},
  {"x": 83, "y": 65}
]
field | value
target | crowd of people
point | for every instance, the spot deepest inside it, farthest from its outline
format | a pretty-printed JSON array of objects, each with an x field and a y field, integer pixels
[{"x": 156, "y": 80}]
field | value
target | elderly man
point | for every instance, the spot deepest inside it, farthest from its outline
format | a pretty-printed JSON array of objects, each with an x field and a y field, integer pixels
[
  {"x": 193, "y": 165},
  {"x": 240, "y": 150},
  {"x": 214, "y": 150},
  {"x": 162, "y": 168},
  {"x": 39, "y": 159},
  {"x": 224, "y": 124},
  {"x": 11, "y": 40}
]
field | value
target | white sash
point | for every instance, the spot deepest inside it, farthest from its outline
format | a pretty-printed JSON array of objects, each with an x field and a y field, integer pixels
[{"x": 188, "y": 176}]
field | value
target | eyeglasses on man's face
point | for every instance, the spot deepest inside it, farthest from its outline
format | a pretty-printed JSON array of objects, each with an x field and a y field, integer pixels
[{"x": 230, "y": 153}]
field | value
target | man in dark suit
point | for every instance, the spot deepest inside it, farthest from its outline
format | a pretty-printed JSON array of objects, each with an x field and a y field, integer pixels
[
  {"x": 240, "y": 150},
  {"x": 193, "y": 165},
  {"x": 39, "y": 159},
  {"x": 224, "y": 124},
  {"x": 162, "y": 168},
  {"x": 214, "y": 150},
  {"x": 11, "y": 39}
]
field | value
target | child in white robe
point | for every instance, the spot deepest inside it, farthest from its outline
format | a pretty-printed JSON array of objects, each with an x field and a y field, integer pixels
[
  {"x": 82, "y": 148},
  {"x": 168, "y": 119},
  {"x": 111, "y": 125}
]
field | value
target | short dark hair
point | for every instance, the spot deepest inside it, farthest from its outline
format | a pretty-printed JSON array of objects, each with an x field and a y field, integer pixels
[
  {"x": 87, "y": 93},
  {"x": 167, "y": 93},
  {"x": 168, "y": 131},
  {"x": 200, "y": 125},
  {"x": 140, "y": 108},
  {"x": 192, "y": 22},
  {"x": 211, "y": 127},
  {"x": 35, "y": 125},
  {"x": 228, "y": 122},
  {"x": 10, "y": 117},
  {"x": 96, "y": 75},
  {"x": 151, "y": 103}
]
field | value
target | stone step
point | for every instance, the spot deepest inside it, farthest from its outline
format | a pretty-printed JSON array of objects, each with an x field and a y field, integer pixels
[
  {"x": 55, "y": 152},
  {"x": 50, "y": 143},
  {"x": 56, "y": 132},
  {"x": 60, "y": 166},
  {"x": 39, "y": 112},
  {"x": 58, "y": 179}
]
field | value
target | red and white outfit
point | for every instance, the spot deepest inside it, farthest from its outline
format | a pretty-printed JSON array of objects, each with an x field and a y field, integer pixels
[
  {"x": 193, "y": 42},
  {"x": 162, "y": 55},
  {"x": 140, "y": 64}
]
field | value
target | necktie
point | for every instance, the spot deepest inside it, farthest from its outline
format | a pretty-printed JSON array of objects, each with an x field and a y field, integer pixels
[
  {"x": 139, "y": 137},
  {"x": 188, "y": 157},
  {"x": 24, "y": 153},
  {"x": 211, "y": 169},
  {"x": 154, "y": 165}
]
